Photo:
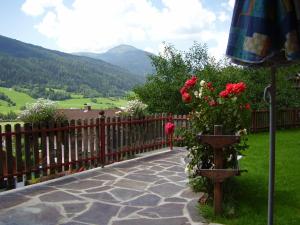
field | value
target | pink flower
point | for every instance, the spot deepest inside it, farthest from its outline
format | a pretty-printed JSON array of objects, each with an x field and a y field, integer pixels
[
  {"x": 169, "y": 128},
  {"x": 213, "y": 103}
]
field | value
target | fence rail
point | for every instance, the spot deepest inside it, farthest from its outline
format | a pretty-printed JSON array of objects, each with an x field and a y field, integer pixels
[
  {"x": 286, "y": 118},
  {"x": 38, "y": 151}
]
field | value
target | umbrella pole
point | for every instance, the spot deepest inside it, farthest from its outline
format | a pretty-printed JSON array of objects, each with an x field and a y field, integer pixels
[{"x": 272, "y": 92}]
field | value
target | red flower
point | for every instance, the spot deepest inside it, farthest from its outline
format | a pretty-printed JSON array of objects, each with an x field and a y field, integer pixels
[
  {"x": 209, "y": 86},
  {"x": 191, "y": 82},
  {"x": 233, "y": 89},
  {"x": 236, "y": 88},
  {"x": 186, "y": 97},
  {"x": 247, "y": 106},
  {"x": 169, "y": 128},
  {"x": 224, "y": 94},
  {"x": 213, "y": 103},
  {"x": 183, "y": 90}
]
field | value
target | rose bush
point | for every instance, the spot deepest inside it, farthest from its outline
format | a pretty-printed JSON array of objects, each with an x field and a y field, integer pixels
[{"x": 213, "y": 105}]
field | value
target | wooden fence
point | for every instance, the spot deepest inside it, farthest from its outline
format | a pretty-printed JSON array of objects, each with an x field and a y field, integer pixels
[
  {"x": 39, "y": 151},
  {"x": 30, "y": 152},
  {"x": 286, "y": 118}
]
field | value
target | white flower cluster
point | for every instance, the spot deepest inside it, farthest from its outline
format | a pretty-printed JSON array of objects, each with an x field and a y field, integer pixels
[
  {"x": 189, "y": 171},
  {"x": 241, "y": 132},
  {"x": 38, "y": 111},
  {"x": 134, "y": 108},
  {"x": 198, "y": 94}
]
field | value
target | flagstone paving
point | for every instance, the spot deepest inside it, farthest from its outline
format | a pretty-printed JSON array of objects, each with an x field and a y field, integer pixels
[{"x": 147, "y": 191}]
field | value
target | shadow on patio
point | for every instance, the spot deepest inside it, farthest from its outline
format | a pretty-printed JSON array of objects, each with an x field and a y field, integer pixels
[{"x": 151, "y": 190}]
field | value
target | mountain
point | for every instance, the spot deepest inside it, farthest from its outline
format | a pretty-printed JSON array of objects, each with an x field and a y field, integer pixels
[
  {"x": 134, "y": 60},
  {"x": 27, "y": 65}
]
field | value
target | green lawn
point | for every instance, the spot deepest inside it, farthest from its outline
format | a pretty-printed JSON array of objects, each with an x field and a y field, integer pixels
[
  {"x": 18, "y": 97},
  {"x": 102, "y": 103},
  {"x": 251, "y": 192},
  {"x": 77, "y": 101}
]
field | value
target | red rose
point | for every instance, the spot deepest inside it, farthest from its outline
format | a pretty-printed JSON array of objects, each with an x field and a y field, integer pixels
[
  {"x": 186, "y": 97},
  {"x": 239, "y": 88},
  {"x": 224, "y": 94},
  {"x": 236, "y": 88},
  {"x": 169, "y": 128},
  {"x": 209, "y": 86},
  {"x": 191, "y": 82},
  {"x": 247, "y": 106},
  {"x": 183, "y": 90}
]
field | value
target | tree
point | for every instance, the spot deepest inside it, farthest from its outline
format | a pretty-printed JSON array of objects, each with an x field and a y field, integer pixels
[
  {"x": 173, "y": 68},
  {"x": 161, "y": 91}
]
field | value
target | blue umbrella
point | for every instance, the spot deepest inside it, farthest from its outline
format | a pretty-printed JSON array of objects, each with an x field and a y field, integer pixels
[{"x": 266, "y": 33}]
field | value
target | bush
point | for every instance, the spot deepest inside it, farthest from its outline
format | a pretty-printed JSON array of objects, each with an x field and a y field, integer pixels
[
  {"x": 213, "y": 105},
  {"x": 134, "y": 108},
  {"x": 9, "y": 116},
  {"x": 43, "y": 110}
]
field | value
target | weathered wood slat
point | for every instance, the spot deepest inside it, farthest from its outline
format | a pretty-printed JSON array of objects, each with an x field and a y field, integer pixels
[
  {"x": 59, "y": 141},
  {"x": 91, "y": 142},
  {"x": 28, "y": 161},
  {"x": 2, "y": 161},
  {"x": 85, "y": 151},
  {"x": 79, "y": 144},
  {"x": 108, "y": 141},
  {"x": 9, "y": 157},
  {"x": 35, "y": 148},
  {"x": 119, "y": 138},
  {"x": 44, "y": 148},
  {"x": 72, "y": 133},
  {"x": 97, "y": 143},
  {"x": 18, "y": 144},
  {"x": 51, "y": 149},
  {"x": 114, "y": 139}
]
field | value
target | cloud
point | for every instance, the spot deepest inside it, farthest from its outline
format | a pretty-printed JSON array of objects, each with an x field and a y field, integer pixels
[
  {"x": 97, "y": 25},
  {"x": 38, "y": 7},
  {"x": 231, "y": 3}
]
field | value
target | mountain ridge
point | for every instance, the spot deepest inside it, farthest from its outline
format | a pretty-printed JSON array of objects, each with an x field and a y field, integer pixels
[
  {"x": 134, "y": 60},
  {"x": 24, "y": 64}
]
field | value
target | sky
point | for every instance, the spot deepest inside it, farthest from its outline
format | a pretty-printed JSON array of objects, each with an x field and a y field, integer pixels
[{"x": 98, "y": 25}]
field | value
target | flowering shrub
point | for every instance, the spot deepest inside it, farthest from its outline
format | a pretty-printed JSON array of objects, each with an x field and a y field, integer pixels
[
  {"x": 226, "y": 106},
  {"x": 43, "y": 110},
  {"x": 134, "y": 108}
]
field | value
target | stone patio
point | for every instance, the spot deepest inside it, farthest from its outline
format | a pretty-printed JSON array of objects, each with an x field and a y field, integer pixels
[{"x": 151, "y": 190}]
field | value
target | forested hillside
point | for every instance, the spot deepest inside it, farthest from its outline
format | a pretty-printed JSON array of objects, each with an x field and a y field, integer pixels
[
  {"x": 34, "y": 69},
  {"x": 134, "y": 60}
]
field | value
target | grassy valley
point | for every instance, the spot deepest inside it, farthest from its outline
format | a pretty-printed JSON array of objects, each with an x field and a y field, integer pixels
[{"x": 21, "y": 99}]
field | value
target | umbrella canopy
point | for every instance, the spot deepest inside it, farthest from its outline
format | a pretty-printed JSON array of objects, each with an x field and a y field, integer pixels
[
  {"x": 266, "y": 32},
  {"x": 260, "y": 29}
]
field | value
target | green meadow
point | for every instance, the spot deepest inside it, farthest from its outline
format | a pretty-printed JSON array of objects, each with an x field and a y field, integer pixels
[{"x": 77, "y": 101}]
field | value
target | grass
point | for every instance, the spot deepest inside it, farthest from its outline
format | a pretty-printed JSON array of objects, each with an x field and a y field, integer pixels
[
  {"x": 102, "y": 103},
  {"x": 251, "y": 190},
  {"x": 18, "y": 97},
  {"x": 77, "y": 101}
]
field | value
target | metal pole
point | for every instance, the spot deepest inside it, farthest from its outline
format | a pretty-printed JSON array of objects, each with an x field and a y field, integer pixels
[{"x": 272, "y": 92}]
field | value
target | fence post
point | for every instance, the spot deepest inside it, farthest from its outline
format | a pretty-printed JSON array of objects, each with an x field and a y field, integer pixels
[
  {"x": 102, "y": 138},
  {"x": 170, "y": 119}
]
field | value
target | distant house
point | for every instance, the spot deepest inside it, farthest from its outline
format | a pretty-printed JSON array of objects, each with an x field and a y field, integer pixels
[{"x": 87, "y": 113}]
